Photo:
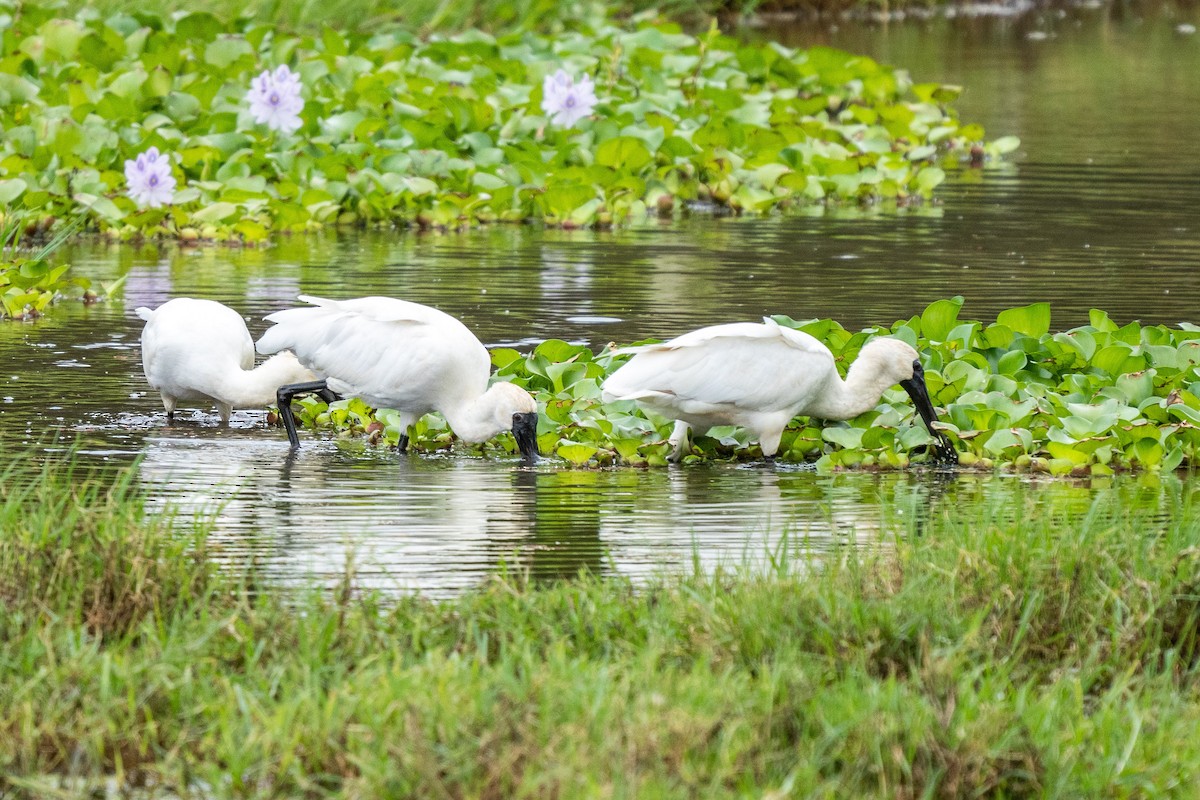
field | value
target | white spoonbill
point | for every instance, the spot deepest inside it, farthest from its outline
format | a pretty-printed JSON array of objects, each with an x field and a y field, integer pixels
[
  {"x": 760, "y": 376},
  {"x": 201, "y": 350},
  {"x": 404, "y": 356}
]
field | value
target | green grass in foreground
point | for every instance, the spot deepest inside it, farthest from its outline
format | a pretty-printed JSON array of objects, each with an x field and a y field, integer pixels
[{"x": 1010, "y": 650}]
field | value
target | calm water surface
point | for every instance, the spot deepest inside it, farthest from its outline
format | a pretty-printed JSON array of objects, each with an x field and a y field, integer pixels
[{"x": 1097, "y": 210}]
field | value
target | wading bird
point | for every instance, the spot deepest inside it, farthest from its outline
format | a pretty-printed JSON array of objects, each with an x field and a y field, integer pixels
[
  {"x": 760, "y": 376},
  {"x": 404, "y": 356},
  {"x": 201, "y": 350}
]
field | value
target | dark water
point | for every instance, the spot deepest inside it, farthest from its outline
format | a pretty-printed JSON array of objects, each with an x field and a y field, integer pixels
[{"x": 1098, "y": 209}]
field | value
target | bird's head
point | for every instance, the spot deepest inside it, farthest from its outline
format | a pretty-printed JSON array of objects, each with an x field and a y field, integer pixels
[
  {"x": 893, "y": 359},
  {"x": 516, "y": 409},
  {"x": 901, "y": 364}
]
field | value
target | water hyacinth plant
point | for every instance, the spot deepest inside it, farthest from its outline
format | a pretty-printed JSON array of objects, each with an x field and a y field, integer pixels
[
  {"x": 275, "y": 99},
  {"x": 449, "y": 132},
  {"x": 149, "y": 179},
  {"x": 565, "y": 101},
  {"x": 1011, "y": 394},
  {"x": 29, "y": 282}
]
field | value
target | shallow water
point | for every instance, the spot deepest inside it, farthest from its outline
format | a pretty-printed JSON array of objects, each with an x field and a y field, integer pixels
[{"x": 1097, "y": 210}]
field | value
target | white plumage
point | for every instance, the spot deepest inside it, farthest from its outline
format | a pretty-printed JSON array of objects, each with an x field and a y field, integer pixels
[
  {"x": 403, "y": 356},
  {"x": 761, "y": 376},
  {"x": 201, "y": 350}
]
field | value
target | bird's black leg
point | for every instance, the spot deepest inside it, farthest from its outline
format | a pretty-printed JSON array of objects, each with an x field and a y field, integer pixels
[
  {"x": 284, "y": 399},
  {"x": 402, "y": 445}
]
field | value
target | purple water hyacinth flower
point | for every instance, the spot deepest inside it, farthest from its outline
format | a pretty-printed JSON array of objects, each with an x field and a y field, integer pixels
[
  {"x": 565, "y": 101},
  {"x": 275, "y": 99},
  {"x": 149, "y": 179}
]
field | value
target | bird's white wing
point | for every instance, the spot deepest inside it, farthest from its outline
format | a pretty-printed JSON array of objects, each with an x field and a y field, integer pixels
[
  {"x": 383, "y": 309},
  {"x": 768, "y": 330},
  {"x": 384, "y": 350},
  {"x": 741, "y": 365}
]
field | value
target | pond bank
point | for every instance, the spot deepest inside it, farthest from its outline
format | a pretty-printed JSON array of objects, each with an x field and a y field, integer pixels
[{"x": 1016, "y": 648}]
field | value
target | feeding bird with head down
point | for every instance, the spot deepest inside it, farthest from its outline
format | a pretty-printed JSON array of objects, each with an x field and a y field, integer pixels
[
  {"x": 403, "y": 356},
  {"x": 201, "y": 350},
  {"x": 761, "y": 376}
]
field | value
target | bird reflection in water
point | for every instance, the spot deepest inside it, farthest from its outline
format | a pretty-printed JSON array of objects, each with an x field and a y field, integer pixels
[{"x": 443, "y": 524}]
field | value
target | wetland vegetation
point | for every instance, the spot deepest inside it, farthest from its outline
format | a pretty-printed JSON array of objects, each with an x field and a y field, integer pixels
[
  {"x": 1091, "y": 400},
  {"x": 1035, "y": 642},
  {"x": 29, "y": 281},
  {"x": 389, "y": 128},
  {"x": 430, "y": 16},
  {"x": 1019, "y": 649}
]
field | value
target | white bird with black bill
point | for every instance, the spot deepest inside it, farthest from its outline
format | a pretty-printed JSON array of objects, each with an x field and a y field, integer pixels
[
  {"x": 403, "y": 356},
  {"x": 761, "y": 376}
]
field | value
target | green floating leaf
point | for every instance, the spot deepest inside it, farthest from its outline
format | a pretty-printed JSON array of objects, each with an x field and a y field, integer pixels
[
  {"x": 1005, "y": 144},
  {"x": 847, "y": 438},
  {"x": 1031, "y": 320},
  {"x": 11, "y": 189},
  {"x": 1008, "y": 439},
  {"x": 577, "y": 454},
  {"x": 341, "y": 126},
  {"x": 947, "y": 93},
  {"x": 1118, "y": 359},
  {"x": 1011, "y": 362},
  {"x": 15, "y": 89},
  {"x": 226, "y": 50},
  {"x": 1100, "y": 321},
  {"x": 199, "y": 25},
  {"x": 929, "y": 178},
  {"x": 62, "y": 37},
  {"x": 936, "y": 92},
  {"x": 562, "y": 199},
  {"x": 503, "y": 356},
  {"x": 101, "y": 205},
  {"x": 420, "y": 186},
  {"x": 215, "y": 212},
  {"x": 556, "y": 350},
  {"x": 940, "y": 317}
]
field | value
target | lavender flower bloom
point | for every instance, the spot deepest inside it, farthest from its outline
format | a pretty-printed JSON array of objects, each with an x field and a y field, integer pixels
[
  {"x": 565, "y": 101},
  {"x": 275, "y": 99},
  {"x": 150, "y": 180}
]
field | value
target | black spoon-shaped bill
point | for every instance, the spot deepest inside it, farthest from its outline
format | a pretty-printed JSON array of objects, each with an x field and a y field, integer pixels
[
  {"x": 524, "y": 430},
  {"x": 944, "y": 453}
]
